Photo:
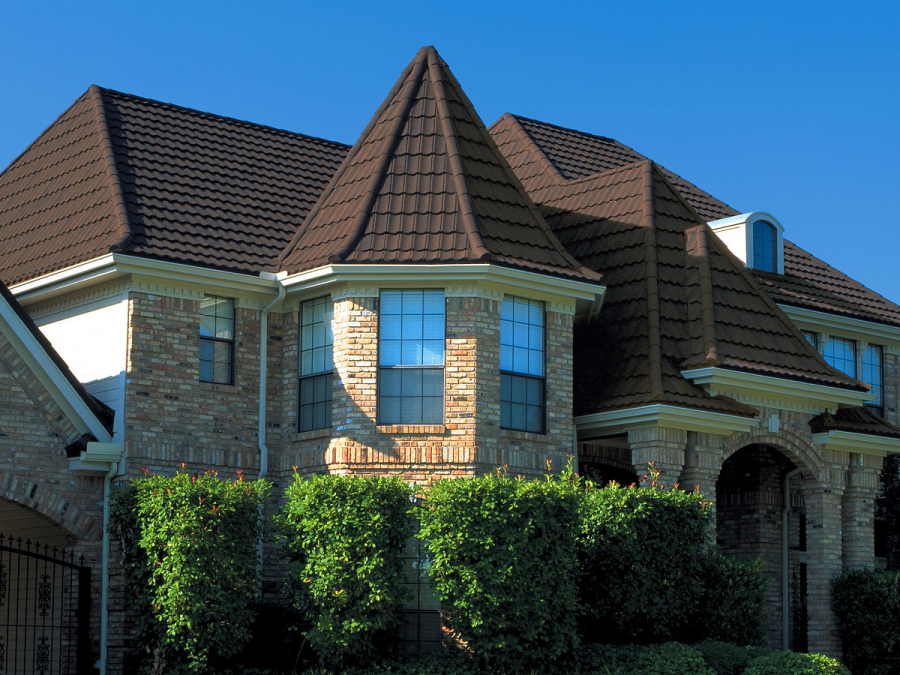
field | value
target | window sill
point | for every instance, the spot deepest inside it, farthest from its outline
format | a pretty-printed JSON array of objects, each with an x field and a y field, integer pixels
[
  {"x": 312, "y": 434},
  {"x": 216, "y": 386},
  {"x": 412, "y": 429},
  {"x": 523, "y": 435}
]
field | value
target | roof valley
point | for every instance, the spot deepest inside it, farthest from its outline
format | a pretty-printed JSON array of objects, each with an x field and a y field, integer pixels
[{"x": 653, "y": 315}]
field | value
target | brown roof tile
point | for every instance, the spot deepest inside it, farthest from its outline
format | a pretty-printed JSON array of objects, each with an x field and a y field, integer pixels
[
  {"x": 543, "y": 153},
  {"x": 676, "y": 298},
  {"x": 118, "y": 172},
  {"x": 857, "y": 420},
  {"x": 426, "y": 183}
]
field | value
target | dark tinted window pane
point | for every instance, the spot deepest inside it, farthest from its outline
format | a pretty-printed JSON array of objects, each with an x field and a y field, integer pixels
[
  {"x": 764, "y": 240},
  {"x": 216, "y": 339},
  {"x": 315, "y": 402},
  {"x": 841, "y": 354},
  {"x": 521, "y": 403},
  {"x": 871, "y": 374},
  {"x": 316, "y": 336}
]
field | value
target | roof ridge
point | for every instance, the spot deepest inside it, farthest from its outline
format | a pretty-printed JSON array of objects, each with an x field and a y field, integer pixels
[
  {"x": 532, "y": 145},
  {"x": 348, "y": 158},
  {"x": 467, "y": 210},
  {"x": 223, "y": 118},
  {"x": 126, "y": 236},
  {"x": 654, "y": 336}
]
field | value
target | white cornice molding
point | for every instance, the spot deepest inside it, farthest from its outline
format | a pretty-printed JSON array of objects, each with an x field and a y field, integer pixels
[
  {"x": 190, "y": 281},
  {"x": 49, "y": 375},
  {"x": 658, "y": 415},
  {"x": 749, "y": 385},
  {"x": 842, "y": 326},
  {"x": 864, "y": 444}
]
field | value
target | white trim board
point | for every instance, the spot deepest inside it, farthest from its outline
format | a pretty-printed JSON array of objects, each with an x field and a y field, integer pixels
[{"x": 613, "y": 422}]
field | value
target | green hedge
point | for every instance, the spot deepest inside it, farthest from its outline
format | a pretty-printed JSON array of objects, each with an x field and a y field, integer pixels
[
  {"x": 732, "y": 606},
  {"x": 503, "y": 561},
  {"x": 867, "y": 604},
  {"x": 791, "y": 663},
  {"x": 189, "y": 553},
  {"x": 642, "y": 552},
  {"x": 345, "y": 536}
]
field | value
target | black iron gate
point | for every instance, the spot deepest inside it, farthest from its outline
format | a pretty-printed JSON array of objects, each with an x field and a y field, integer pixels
[{"x": 45, "y": 604}]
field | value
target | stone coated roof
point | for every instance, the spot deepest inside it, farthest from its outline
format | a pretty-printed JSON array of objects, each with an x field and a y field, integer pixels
[
  {"x": 120, "y": 173},
  {"x": 425, "y": 183},
  {"x": 858, "y": 420},
  {"x": 543, "y": 154}
]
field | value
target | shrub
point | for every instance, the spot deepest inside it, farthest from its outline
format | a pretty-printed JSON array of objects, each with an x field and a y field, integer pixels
[
  {"x": 189, "y": 551},
  {"x": 345, "y": 538},
  {"x": 503, "y": 562},
  {"x": 871, "y": 636},
  {"x": 725, "y": 658},
  {"x": 642, "y": 552},
  {"x": 791, "y": 663},
  {"x": 732, "y": 609},
  {"x": 671, "y": 658}
]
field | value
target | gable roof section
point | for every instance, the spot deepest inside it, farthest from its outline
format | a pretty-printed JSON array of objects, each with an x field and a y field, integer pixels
[
  {"x": 676, "y": 298},
  {"x": 121, "y": 173},
  {"x": 87, "y": 413},
  {"x": 425, "y": 183},
  {"x": 537, "y": 150}
]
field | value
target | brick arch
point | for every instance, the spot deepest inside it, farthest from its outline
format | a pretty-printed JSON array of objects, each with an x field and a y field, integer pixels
[
  {"x": 44, "y": 500},
  {"x": 800, "y": 451}
]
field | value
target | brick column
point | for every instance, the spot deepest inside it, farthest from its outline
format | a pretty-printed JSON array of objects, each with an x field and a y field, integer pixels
[
  {"x": 859, "y": 512},
  {"x": 661, "y": 445},
  {"x": 702, "y": 465},
  {"x": 825, "y": 562}
]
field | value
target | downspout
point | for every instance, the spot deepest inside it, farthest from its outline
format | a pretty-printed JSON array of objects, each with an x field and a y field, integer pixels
[
  {"x": 104, "y": 567},
  {"x": 261, "y": 431},
  {"x": 785, "y": 550}
]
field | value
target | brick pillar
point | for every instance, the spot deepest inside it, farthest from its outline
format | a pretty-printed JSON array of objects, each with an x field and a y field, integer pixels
[
  {"x": 661, "y": 445},
  {"x": 859, "y": 512},
  {"x": 702, "y": 465},
  {"x": 825, "y": 562}
]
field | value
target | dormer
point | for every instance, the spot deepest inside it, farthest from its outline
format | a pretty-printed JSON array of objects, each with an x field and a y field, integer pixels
[{"x": 757, "y": 238}]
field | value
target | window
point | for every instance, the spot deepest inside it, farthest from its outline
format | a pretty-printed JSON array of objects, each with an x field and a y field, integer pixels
[
  {"x": 812, "y": 338},
  {"x": 216, "y": 340},
  {"x": 841, "y": 354},
  {"x": 411, "y": 357},
  {"x": 522, "y": 365},
  {"x": 316, "y": 364},
  {"x": 765, "y": 239},
  {"x": 871, "y": 374}
]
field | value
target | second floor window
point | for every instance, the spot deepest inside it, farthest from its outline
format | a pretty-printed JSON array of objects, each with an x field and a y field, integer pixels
[
  {"x": 871, "y": 374},
  {"x": 316, "y": 364},
  {"x": 765, "y": 240},
  {"x": 411, "y": 357},
  {"x": 217, "y": 340},
  {"x": 522, "y": 391},
  {"x": 840, "y": 354}
]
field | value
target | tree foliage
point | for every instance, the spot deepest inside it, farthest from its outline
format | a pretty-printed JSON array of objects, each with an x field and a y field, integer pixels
[
  {"x": 345, "y": 536},
  {"x": 189, "y": 551}
]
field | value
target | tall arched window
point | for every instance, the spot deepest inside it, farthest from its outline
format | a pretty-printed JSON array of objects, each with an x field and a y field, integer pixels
[{"x": 765, "y": 256}]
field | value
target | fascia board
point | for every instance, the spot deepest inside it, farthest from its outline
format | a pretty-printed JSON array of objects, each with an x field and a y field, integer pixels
[
  {"x": 864, "y": 444},
  {"x": 502, "y": 278},
  {"x": 49, "y": 375},
  {"x": 842, "y": 326},
  {"x": 732, "y": 382},
  {"x": 92, "y": 272},
  {"x": 658, "y": 415}
]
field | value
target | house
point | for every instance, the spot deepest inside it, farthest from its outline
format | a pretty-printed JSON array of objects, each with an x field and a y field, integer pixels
[{"x": 438, "y": 299}]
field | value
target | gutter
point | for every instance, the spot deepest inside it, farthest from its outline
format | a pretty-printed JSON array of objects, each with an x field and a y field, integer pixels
[{"x": 785, "y": 552}]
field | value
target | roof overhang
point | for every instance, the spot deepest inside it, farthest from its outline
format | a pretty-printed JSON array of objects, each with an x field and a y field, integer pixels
[
  {"x": 614, "y": 422},
  {"x": 750, "y": 385},
  {"x": 365, "y": 280},
  {"x": 843, "y": 326},
  {"x": 864, "y": 444},
  {"x": 97, "y": 460},
  {"x": 458, "y": 279},
  {"x": 49, "y": 374}
]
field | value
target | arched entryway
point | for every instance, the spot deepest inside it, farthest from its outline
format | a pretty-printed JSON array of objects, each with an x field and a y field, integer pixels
[{"x": 761, "y": 513}]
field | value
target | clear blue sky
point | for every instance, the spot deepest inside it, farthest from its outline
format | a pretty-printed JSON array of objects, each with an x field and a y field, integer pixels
[{"x": 789, "y": 107}]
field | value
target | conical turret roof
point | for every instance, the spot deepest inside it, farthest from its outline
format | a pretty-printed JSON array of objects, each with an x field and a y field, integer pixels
[{"x": 425, "y": 183}]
